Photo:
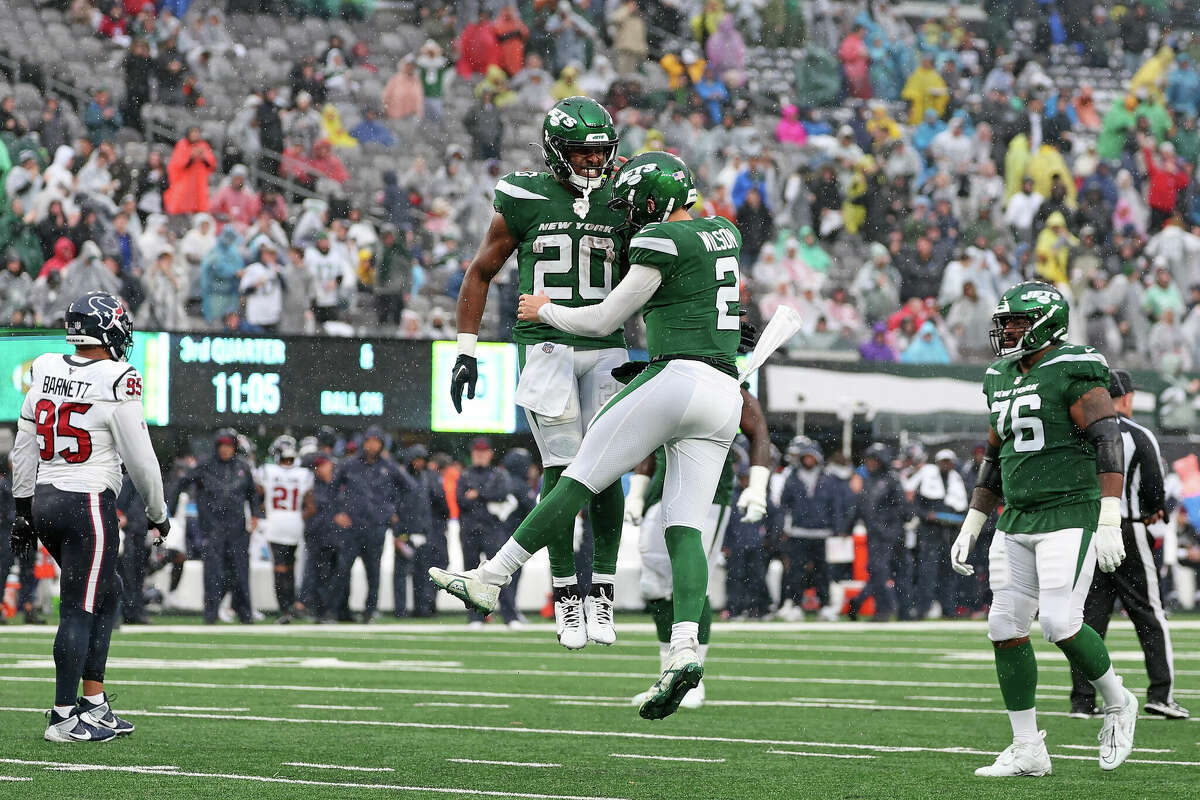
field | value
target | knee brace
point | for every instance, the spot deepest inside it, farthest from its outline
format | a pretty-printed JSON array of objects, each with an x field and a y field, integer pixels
[{"x": 1011, "y": 615}]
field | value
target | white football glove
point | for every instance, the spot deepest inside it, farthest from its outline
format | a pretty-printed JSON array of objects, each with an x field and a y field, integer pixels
[
  {"x": 1110, "y": 545},
  {"x": 753, "y": 501},
  {"x": 960, "y": 551},
  {"x": 635, "y": 501}
]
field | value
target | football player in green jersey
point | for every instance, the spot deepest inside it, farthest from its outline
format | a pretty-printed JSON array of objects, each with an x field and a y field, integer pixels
[
  {"x": 569, "y": 246},
  {"x": 1055, "y": 459},
  {"x": 646, "y": 492},
  {"x": 683, "y": 274}
]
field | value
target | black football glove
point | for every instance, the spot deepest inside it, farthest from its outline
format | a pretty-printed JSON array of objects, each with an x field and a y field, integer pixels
[
  {"x": 465, "y": 374},
  {"x": 23, "y": 539},
  {"x": 161, "y": 530},
  {"x": 749, "y": 337},
  {"x": 629, "y": 370}
]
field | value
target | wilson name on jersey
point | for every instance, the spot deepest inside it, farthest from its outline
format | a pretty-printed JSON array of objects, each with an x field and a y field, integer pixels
[
  {"x": 1048, "y": 468},
  {"x": 75, "y": 407},
  {"x": 283, "y": 498},
  {"x": 696, "y": 310},
  {"x": 574, "y": 258}
]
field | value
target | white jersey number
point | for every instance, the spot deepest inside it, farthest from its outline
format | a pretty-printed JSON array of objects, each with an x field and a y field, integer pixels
[
  {"x": 727, "y": 295},
  {"x": 580, "y": 260},
  {"x": 1029, "y": 435}
]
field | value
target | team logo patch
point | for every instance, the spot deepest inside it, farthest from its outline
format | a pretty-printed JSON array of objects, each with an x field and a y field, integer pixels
[
  {"x": 547, "y": 348},
  {"x": 1043, "y": 296}
]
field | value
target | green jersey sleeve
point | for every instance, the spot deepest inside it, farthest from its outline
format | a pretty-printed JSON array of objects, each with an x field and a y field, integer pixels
[
  {"x": 1082, "y": 371},
  {"x": 652, "y": 247},
  {"x": 511, "y": 199}
]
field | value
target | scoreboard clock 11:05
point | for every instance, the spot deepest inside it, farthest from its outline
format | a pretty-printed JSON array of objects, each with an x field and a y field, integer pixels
[{"x": 297, "y": 380}]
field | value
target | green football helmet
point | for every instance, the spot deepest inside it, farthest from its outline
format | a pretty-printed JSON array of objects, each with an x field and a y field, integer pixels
[
  {"x": 1042, "y": 305},
  {"x": 651, "y": 186},
  {"x": 578, "y": 123}
]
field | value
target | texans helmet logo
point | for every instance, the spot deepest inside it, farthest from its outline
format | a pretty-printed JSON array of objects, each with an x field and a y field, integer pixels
[{"x": 108, "y": 310}]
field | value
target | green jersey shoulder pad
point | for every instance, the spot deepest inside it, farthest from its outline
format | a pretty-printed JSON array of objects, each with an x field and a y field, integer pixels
[
  {"x": 522, "y": 186},
  {"x": 1075, "y": 362},
  {"x": 653, "y": 246}
]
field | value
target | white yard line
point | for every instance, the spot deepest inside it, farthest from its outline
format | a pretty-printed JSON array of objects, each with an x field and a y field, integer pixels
[
  {"x": 1093, "y": 747},
  {"x": 947, "y": 697},
  {"x": 817, "y": 755},
  {"x": 13, "y": 778},
  {"x": 337, "y": 766},
  {"x": 502, "y": 763},
  {"x": 461, "y": 705},
  {"x": 667, "y": 758},
  {"x": 72, "y": 767},
  {"x": 337, "y": 708},
  {"x": 199, "y": 708}
]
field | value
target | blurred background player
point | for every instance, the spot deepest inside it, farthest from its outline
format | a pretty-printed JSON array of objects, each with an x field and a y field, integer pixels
[
  {"x": 562, "y": 230},
  {"x": 82, "y": 419},
  {"x": 684, "y": 276},
  {"x": 285, "y": 487},
  {"x": 429, "y": 539},
  {"x": 1055, "y": 457}
]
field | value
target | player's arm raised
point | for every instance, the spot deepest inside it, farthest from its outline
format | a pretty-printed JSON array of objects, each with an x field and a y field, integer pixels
[
  {"x": 989, "y": 491},
  {"x": 1095, "y": 416},
  {"x": 498, "y": 245},
  {"x": 132, "y": 439},
  {"x": 601, "y": 319},
  {"x": 753, "y": 500}
]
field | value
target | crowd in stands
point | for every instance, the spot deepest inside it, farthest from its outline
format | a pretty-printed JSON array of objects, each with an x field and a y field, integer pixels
[{"x": 890, "y": 180}]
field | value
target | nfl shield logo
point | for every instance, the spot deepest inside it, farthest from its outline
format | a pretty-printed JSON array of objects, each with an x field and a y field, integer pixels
[{"x": 547, "y": 348}]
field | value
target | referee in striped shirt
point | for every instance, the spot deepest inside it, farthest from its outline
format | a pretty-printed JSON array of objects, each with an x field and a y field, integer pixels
[{"x": 1136, "y": 581}]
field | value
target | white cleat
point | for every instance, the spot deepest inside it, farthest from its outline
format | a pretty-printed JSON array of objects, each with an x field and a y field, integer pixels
[
  {"x": 469, "y": 587},
  {"x": 1116, "y": 737},
  {"x": 694, "y": 698},
  {"x": 598, "y": 615},
  {"x": 76, "y": 727},
  {"x": 1021, "y": 759},
  {"x": 568, "y": 619},
  {"x": 1169, "y": 709}
]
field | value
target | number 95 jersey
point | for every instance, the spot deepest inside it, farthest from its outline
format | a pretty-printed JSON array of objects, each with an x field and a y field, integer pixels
[
  {"x": 283, "y": 496},
  {"x": 570, "y": 249},
  {"x": 1047, "y": 466},
  {"x": 84, "y": 414}
]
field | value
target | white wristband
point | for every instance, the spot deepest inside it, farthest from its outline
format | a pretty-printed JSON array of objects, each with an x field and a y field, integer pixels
[
  {"x": 759, "y": 476},
  {"x": 1110, "y": 512},
  {"x": 973, "y": 524},
  {"x": 637, "y": 486},
  {"x": 466, "y": 343}
]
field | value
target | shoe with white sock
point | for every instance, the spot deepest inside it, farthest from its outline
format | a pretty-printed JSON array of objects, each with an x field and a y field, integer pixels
[
  {"x": 469, "y": 587},
  {"x": 598, "y": 614},
  {"x": 101, "y": 715},
  {"x": 1169, "y": 709},
  {"x": 569, "y": 618},
  {"x": 1021, "y": 759},
  {"x": 74, "y": 728},
  {"x": 1116, "y": 737},
  {"x": 694, "y": 698},
  {"x": 682, "y": 674}
]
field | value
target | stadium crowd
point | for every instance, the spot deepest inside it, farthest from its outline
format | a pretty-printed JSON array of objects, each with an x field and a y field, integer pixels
[
  {"x": 889, "y": 186},
  {"x": 366, "y": 484}
]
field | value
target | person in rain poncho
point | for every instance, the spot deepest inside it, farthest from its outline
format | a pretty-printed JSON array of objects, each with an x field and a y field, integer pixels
[
  {"x": 404, "y": 96},
  {"x": 154, "y": 238},
  {"x": 192, "y": 162},
  {"x": 87, "y": 273},
  {"x": 789, "y": 129},
  {"x": 219, "y": 276},
  {"x": 1053, "y": 250},
  {"x": 926, "y": 347},
  {"x": 1045, "y": 164},
  {"x": 924, "y": 134},
  {"x": 335, "y": 131},
  {"x": 877, "y": 348},
  {"x": 925, "y": 89},
  {"x": 1130, "y": 208},
  {"x": 198, "y": 241},
  {"x": 164, "y": 293}
]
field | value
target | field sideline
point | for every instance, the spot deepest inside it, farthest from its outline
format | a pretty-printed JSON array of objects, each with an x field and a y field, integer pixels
[{"x": 434, "y": 710}]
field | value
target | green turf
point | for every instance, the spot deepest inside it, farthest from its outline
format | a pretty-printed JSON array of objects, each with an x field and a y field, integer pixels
[{"x": 813, "y": 690}]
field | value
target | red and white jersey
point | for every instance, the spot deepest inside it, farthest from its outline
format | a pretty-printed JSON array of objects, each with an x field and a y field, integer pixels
[
  {"x": 80, "y": 421},
  {"x": 283, "y": 497}
]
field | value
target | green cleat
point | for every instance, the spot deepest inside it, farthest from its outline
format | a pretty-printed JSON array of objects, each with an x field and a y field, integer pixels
[
  {"x": 468, "y": 587},
  {"x": 682, "y": 674}
]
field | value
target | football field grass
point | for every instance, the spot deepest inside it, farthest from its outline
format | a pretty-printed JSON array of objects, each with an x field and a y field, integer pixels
[{"x": 434, "y": 710}]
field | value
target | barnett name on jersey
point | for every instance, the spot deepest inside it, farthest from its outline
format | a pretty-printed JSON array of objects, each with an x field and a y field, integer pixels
[
  {"x": 284, "y": 489},
  {"x": 87, "y": 419},
  {"x": 1047, "y": 467},
  {"x": 696, "y": 309},
  {"x": 568, "y": 248}
]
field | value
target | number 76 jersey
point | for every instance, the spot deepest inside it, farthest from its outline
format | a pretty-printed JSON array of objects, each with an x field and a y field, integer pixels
[
  {"x": 283, "y": 497},
  {"x": 1047, "y": 466},
  {"x": 571, "y": 250}
]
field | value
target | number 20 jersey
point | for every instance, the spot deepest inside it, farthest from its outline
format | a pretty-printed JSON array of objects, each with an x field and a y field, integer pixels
[
  {"x": 576, "y": 261},
  {"x": 283, "y": 498},
  {"x": 1047, "y": 466}
]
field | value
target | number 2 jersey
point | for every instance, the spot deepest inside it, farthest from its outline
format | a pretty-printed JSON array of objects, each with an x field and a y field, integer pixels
[
  {"x": 283, "y": 496},
  {"x": 1048, "y": 468},
  {"x": 574, "y": 259},
  {"x": 81, "y": 420}
]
